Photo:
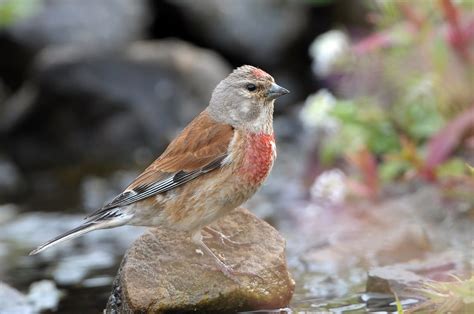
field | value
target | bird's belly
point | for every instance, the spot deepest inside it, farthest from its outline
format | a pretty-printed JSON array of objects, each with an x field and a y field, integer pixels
[
  {"x": 194, "y": 205},
  {"x": 202, "y": 201}
]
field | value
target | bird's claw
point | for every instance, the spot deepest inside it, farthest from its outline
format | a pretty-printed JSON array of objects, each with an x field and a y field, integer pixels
[
  {"x": 231, "y": 273},
  {"x": 228, "y": 271}
]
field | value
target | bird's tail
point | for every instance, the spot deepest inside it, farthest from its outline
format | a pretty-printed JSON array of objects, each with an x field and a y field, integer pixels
[{"x": 83, "y": 229}]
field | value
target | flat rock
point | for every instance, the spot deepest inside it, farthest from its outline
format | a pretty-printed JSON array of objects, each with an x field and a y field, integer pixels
[
  {"x": 163, "y": 271},
  {"x": 362, "y": 238},
  {"x": 407, "y": 278},
  {"x": 404, "y": 228}
]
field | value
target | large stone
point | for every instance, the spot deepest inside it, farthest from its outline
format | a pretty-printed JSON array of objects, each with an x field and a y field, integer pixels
[
  {"x": 406, "y": 279},
  {"x": 99, "y": 23},
  {"x": 259, "y": 31},
  {"x": 163, "y": 271},
  {"x": 95, "y": 25},
  {"x": 101, "y": 108},
  {"x": 363, "y": 238},
  {"x": 92, "y": 26}
]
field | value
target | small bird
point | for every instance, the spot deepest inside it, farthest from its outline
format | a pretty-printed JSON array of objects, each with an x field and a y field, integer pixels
[{"x": 213, "y": 166}]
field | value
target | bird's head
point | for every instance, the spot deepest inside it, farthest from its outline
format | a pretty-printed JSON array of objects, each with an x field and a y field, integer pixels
[{"x": 245, "y": 98}]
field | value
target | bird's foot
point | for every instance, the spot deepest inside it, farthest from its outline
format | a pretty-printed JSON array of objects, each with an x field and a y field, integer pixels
[
  {"x": 226, "y": 240},
  {"x": 231, "y": 273}
]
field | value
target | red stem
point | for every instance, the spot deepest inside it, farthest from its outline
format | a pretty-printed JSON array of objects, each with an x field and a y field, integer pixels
[{"x": 458, "y": 37}]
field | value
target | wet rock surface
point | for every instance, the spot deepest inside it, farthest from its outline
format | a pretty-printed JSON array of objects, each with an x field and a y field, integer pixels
[
  {"x": 375, "y": 237},
  {"x": 406, "y": 278},
  {"x": 162, "y": 271}
]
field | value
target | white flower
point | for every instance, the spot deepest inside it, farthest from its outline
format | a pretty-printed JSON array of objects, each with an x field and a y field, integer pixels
[
  {"x": 326, "y": 49},
  {"x": 421, "y": 88},
  {"x": 330, "y": 186},
  {"x": 315, "y": 112}
]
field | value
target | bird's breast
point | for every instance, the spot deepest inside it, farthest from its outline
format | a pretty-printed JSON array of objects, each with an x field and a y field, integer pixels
[{"x": 259, "y": 153}]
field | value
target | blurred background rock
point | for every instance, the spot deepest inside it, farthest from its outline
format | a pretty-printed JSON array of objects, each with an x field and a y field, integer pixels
[
  {"x": 379, "y": 120},
  {"x": 123, "y": 77}
]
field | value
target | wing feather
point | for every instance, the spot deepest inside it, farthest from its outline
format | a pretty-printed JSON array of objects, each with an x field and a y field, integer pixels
[{"x": 200, "y": 148}]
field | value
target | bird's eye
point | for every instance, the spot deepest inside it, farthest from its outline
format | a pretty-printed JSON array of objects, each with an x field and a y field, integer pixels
[{"x": 251, "y": 87}]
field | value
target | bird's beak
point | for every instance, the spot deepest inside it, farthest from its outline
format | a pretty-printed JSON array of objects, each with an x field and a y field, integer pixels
[{"x": 276, "y": 91}]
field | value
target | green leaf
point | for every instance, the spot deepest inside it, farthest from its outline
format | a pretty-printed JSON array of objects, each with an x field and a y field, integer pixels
[
  {"x": 399, "y": 304},
  {"x": 364, "y": 123},
  {"x": 390, "y": 170},
  {"x": 454, "y": 167}
]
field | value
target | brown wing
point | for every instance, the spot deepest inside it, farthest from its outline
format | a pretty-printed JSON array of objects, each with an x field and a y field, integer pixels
[
  {"x": 200, "y": 143},
  {"x": 201, "y": 147}
]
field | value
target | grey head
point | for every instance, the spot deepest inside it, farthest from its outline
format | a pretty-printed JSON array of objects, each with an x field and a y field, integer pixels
[{"x": 245, "y": 100}]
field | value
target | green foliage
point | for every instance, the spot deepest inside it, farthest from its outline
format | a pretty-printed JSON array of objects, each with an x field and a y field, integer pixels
[
  {"x": 364, "y": 125},
  {"x": 12, "y": 10},
  {"x": 393, "y": 169},
  {"x": 454, "y": 167},
  {"x": 413, "y": 81},
  {"x": 398, "y": 304}
]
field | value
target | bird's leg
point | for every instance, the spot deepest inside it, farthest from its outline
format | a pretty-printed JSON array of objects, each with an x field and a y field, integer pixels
[
  {"x": 226, "y": 240},
  {"x": 228, "y": 271}
]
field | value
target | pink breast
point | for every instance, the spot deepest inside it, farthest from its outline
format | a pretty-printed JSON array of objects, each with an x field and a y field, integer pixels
[{"x": 258, "y": 157}]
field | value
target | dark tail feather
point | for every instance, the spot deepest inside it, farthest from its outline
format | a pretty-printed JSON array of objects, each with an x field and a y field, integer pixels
[{"x": 82, "y": 229}]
